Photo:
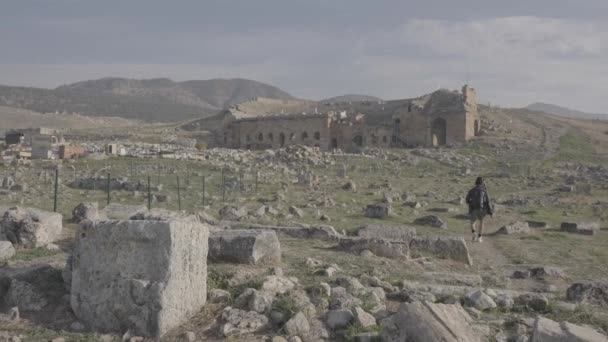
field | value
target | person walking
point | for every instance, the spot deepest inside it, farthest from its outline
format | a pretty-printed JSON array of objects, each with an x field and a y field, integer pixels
[{"x": 479, "y": 203}]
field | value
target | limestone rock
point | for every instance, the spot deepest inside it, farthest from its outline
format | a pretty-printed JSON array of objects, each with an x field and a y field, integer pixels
[
  {"x": 432, "y": 221},
  {"x": 423, "y": 321},
  {"x": 296, "y": 212},
  {"x": 297, "y": 325},
  {"x": 546, "y": 330},
  {"x": 379, "y": 211},
  {"x": 6, "y": 250},
  {"x": 454, "y": 248},
  {"x": 277, "y": 285},
  {"x": 147, "y": 276},
  {"x": 589, "y": 292},
  {"x": 534, "y": 301},
  {"x": 232, "y": 213},
  {"x": 85, "y": 211},
  {"x": 338, "y": 319},
  {"x": 584, "y": 228},
  {"x": 246, "y": 246},
  {"x": 238, "y": 322},
  {"x": 363, "y": 319},
  {"x": 29, "y": 227},
  {"x": 260, "y": 301},
  {"x": 479, "y": 300},
  {"x": 515, "y": 228}
]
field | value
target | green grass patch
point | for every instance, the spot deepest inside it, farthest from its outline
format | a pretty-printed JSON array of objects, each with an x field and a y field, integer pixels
[
  {"x": 33, "y": 253},
  {"x": 351, "y": 331},
  {"x": 575, "y": 146},
  {"x": 39, "y": 334}
]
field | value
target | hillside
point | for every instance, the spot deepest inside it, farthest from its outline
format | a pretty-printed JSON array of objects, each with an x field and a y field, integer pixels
[
  {"x": 150, "y": 100},
  {"x": 351, "y": 98},
  {"x": 564, "y": 111},
  {"x": 11, "y": 118}
]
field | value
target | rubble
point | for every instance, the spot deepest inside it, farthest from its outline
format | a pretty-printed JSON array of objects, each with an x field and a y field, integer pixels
[{"x": 30, "y": 227}]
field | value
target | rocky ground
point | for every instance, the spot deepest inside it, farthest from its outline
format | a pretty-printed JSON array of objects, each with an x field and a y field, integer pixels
[{"x": 351, "y": 266}]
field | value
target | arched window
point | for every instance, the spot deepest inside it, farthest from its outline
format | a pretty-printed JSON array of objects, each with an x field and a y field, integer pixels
[
  {"x": 317, "y": 136},
  {"x": 394, "y": 139},
  {"x": 292, "y": 136},
  {"x": 409, "y": 107},
  {"x": 374, "y": 139},
  {"x": 261, "y": 137},
  {"x": 384, "y": 140},
  {"x": 248, "y": 137},
  {"x": 270, "y": 136},
  {"x": 304, "y": 135}
]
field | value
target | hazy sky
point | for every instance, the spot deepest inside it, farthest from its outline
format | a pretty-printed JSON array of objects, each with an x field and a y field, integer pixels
[{"x": 514, "y": 52}]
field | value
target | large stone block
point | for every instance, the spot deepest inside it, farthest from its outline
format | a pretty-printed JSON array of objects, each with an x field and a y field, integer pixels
[
  {"x": 424, "y": 321},
  {"x": 30, "y": 227},
  {"x": 119, "y": 211},
  {"x": 146, "y": 276},
  {"x": 584, "y": 228},
  {"x": 379, "y": 247},
  {"x": 244, "y": 246},
  {"x": 454, "y": 248}
]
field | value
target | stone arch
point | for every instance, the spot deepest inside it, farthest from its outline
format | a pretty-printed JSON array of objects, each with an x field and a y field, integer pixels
[
  {"x": 317, "y": 136},
  {"x": 281, "y": 139},
  {"x": 384, "y": 139},
  {"x": 374, "y": 139},
  {"x": 260, "y": 137},
  {"x": 334, "y": 143},
  {"x": 438, "y": 132},
  {"x": 304, "y": 135},
  {"x": 248, "y": 137},
  {"x": 270, "y": 137},
  {"x": 292, "y": 136},
  {"x": 476, "y": 127}
]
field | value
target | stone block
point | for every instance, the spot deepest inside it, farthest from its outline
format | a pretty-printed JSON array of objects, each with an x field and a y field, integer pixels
[
  {"x": 143, "y": 276},
  {"x": 246, "y": 246},
  {"x": 29, "y": 227}
]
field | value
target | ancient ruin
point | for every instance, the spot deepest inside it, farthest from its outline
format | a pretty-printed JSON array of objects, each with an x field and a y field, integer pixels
[{"x": 443, "y": 117}]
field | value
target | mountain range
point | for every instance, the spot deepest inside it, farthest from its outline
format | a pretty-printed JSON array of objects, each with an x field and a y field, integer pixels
[
  {"x": 159, "y": 99},
  {"x": 564, "y": 111},
  {"x": 164, "y": 100}
]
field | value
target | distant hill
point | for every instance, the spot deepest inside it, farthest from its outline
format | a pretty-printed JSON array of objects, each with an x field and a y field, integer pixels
[
  {"x": 158, "y": 99},
  {"x": 351, "y": 98},
  {"x": 565, "y": 112}
]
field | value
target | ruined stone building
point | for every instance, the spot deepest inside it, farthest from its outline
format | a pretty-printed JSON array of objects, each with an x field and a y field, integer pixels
[{"x": 439, "y": 118}]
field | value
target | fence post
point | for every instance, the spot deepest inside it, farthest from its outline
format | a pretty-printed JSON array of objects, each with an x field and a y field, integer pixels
[
  {"x": 108, "y": 188},
  {"x": 56, "y": 186},
  {"x": 149, "y": 194},
  {"x": 204, "y": 178},
  {"x": 179, "y": 198}
]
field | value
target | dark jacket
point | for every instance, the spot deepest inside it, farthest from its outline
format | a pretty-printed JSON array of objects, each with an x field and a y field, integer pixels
[{"x": 484, "y": 203}]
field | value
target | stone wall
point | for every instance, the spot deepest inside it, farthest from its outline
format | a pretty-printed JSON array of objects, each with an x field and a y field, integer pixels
[
  {"x": 280, "y": 131},
  {"x": 70, "y": 151}
]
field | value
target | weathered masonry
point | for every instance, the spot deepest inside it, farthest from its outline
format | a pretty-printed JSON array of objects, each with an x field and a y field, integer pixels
[{"x": 440, "y": 118}]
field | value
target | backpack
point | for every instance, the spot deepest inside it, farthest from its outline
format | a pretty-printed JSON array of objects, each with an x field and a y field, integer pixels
[{"x": 477, "y": 198}]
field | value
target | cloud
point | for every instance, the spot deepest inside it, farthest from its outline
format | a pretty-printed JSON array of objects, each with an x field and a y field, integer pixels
[{"x": 509, "y": 37}]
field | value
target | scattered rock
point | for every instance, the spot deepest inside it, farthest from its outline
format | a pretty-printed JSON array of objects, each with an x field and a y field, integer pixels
[
  {"x": 238, "y": 322},
  {"x": 587, "y": 228},
  {"x": 423, "y": 321},
  {"x": 29, "y": 227},
  {"x": 297, "y": 325},
  {"x": 589, "y": 292},
  {"x": 479, "y": 300},
  {"x": 548, "y": 330},
  {"x": 515, "y": 228},
  {"x": 232, "y": 213},
  {"x": 6, "y": 250},
  {"x": 363, "y": 319},
  {"x": 432, "y": 221},
  {"x": 338, "y": 319},
  {"x": 244, "y": 246},
  {"x": 378, "y": 211},
  {"x": 25, "y": 296},
  {"x": 85, "y": 211}
]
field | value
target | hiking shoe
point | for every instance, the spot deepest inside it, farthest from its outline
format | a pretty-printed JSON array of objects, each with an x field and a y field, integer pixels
[
  {"x": 474, "y": 239},
  {"x": 479, "y": 239}
]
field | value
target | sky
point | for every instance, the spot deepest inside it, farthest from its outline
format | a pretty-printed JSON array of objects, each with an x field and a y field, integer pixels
[{"x": 513, "y": 52}]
